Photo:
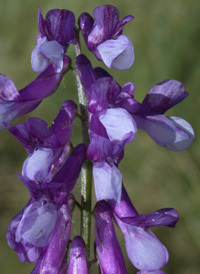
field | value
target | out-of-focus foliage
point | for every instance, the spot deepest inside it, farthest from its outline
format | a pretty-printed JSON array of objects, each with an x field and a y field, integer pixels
[{"x": 166, "y": 38}]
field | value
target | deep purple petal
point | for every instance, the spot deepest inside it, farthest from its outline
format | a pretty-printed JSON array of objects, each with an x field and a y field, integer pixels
[
  {"x": 170, "y": 132},
  {"x": 165, "y": 216},
  {"x": 117, "y": 53},
  {"x": 119, "y": 27},
  {"x": 103, "y": 92},
  {"x": 109, "y": 252},
  {"x": 61, "y": 26},
  {"x": 34, "y": 133},
  {"x": 107, "y": 181},
  {"x": 62, "y": 125},
  {"x": 105, "y": 21},
  {"x": 101, "y": 149},
  {"x": 52, "y": 259},
  {"x": 162, "y": 97},
  {"x": 85, "y": 23},
  {"x": 125, "y": 208},
  {"x": 46, "y": 83},
  {"x": 77, "y": 259},
  {"x": 86, "y": 73},
  {"x": 69, "y": 172}
]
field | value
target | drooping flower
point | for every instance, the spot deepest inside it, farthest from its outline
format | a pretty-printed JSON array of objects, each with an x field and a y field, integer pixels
[
  {"x": 143, "y": 248},
  {"x": 77, "y": 259},
  {"x": 14, "y": 103},
  {"x": 56, "y": 32},
  {"x": 171, "y": 132},
  {"x": 110, "y": 129},
  {"x": 50, "y": 173},
  {"x": 52, "y": 258},
  {"x": 109, "y": 253},
  {"x": 103, "y": 36},
  {"x": 32, "y": 228}
]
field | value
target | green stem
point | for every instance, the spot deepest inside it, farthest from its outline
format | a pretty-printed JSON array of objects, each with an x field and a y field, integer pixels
[{"x": 86, "y": 172}]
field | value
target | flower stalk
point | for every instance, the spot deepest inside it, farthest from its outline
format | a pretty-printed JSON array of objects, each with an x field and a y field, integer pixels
[{"x": 86, "y": 171}]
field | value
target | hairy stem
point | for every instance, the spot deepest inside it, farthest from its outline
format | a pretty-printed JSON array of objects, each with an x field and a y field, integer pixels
[{"x": 86, "y": 172}]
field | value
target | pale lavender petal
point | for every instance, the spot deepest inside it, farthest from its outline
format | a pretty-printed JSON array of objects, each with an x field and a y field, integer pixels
[
  {"x": 117, "y": 53},
  {"x": 119, "y": 124},
  {"x": 8, "y": 90},
  {"x": 171, "y": 132},
  {"x": 52, "y": 258},
  {"x": 38, "y": 166},
  {"x": 37, "y": 223},
  {"x": 25, "y": 251},
  {"x": 162, "y": 97},
  {"x": 107, "y": 181},
  {"x": 39, "y": 62},
  {"x": 108, "y": 249},
  {"x": 54, "y": 52},
  {"x": 77, "y": 259},
  {"x": 144, "y": 250}
]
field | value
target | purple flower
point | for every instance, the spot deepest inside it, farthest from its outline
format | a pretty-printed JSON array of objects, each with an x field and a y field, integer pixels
[
  {"x": 56, "y": 31},
  {"x": 52, "y": 258},
  {"x": 50, "y": 172},
  {"x": 109, "y": 253},
  {"x": 144, "y": 250},
  {"x": 171, "y": 132},
  {"x": 32, "y": 228},
  {"x": 77, "y": 258},
  {"x": 103, "y": 36},
  {"x": 14, "y": 103},
  {"x": 111, "y": 128}
]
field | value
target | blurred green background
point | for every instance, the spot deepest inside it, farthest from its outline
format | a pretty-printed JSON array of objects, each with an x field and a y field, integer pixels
[{"x": 166, "y": 37}]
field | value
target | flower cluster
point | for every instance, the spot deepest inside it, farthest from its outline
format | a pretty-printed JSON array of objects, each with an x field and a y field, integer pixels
[{"x": 41, "y": 231}]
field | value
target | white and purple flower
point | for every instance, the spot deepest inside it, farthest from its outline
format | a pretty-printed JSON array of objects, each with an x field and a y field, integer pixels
[
  {"x": 103, "y": 36},
  {"x": 56, "y": 32}
]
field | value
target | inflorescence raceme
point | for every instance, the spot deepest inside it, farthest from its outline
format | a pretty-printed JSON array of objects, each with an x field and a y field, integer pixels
[{"x": 41, "y": 231}]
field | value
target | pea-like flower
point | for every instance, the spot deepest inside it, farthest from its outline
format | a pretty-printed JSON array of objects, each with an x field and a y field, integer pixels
[
  {"x": 110, "y": 129},
  {"x": 50, "y": 173},
  {"x": 143, "y": 248},
  {"x": 14, "y": 103},
  {"x": 103, "y": 36},
  {"x": 56, "y": 32}
]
